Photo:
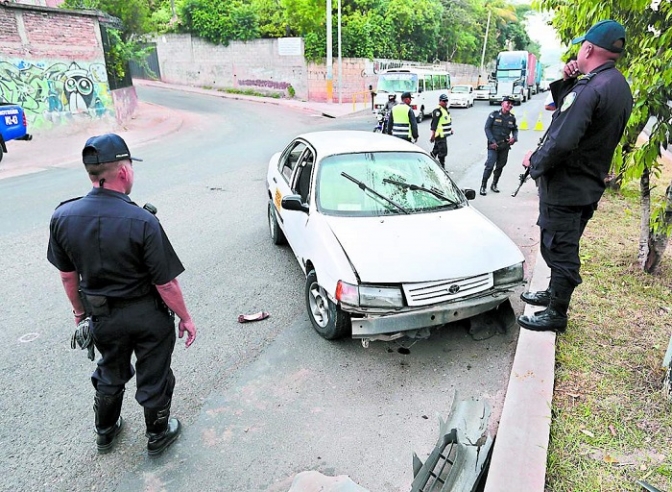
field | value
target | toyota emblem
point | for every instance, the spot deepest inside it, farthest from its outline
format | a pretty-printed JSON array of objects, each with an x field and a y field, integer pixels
[{"x": 453, "y": 289}]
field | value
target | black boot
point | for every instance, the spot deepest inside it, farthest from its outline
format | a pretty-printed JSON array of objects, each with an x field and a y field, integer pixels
[
  {"x": 550, "y": 319},
  {"x": 554, "y": 317},
  {"x": 493, "y": 187},
  {"x": 161, "y": 429},
  {"x": 539, "y": 298},
  {"x": 484, "y": 185},
  {"x": 107, "y": 409}
]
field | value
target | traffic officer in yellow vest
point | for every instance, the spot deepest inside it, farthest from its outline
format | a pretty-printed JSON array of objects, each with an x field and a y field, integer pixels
[
  {"x": 441, "y": 128},
  {"x": 402, "y": 122}
]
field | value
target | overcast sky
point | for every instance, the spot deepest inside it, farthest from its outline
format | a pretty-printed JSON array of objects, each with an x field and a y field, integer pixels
[{"x": 551, "y": 48}]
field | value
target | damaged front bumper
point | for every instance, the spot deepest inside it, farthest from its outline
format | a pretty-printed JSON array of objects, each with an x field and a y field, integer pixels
[{"x": 415, "y": 322}]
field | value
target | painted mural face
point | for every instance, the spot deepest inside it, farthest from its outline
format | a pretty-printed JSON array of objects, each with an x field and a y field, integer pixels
[
  {"x": 78, "y": 88},
  {"x": 51, "y": 93}
]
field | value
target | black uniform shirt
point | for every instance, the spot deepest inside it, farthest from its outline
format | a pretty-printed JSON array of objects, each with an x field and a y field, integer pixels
[
  {"x": 575, "y": 158},
  {"x": 499, "y": 126},
  {"x": 118, "y": 248}
]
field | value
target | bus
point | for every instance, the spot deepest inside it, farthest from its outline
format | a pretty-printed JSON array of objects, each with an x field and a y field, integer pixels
[{"x": 424, "y": 84}]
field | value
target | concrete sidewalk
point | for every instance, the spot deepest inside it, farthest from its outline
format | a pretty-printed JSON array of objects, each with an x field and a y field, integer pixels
[{"x": 519, "y": 456}]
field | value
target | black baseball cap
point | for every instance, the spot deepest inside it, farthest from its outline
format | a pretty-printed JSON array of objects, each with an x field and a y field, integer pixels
[
  {"x": 605, "y": 34},
  {"x": 406, "y": 95},
  {"x": 109, "y": 147},
  {"x": 508, "y": 99}
]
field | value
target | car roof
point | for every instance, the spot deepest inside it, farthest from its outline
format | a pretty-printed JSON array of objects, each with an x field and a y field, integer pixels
[{"x": 352, "y": 141}]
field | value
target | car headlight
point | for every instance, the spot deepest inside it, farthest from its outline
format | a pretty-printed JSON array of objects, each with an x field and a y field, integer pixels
[
  {"x": 370, "y": 295},
  {"x": 508, "y": 275}
]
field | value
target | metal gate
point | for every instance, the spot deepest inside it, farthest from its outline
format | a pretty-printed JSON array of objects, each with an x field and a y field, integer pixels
[{"x": 150, "y": 68}]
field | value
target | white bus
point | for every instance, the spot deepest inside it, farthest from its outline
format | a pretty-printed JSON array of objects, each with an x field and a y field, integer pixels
[{"x": 425, "y": 86}]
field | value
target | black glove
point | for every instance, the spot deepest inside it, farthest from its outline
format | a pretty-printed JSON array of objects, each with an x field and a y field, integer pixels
[{"x": 83, "y": 337}]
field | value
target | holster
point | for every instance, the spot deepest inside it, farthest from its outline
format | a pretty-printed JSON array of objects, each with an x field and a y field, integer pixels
[{"x": 99, "y": 305}]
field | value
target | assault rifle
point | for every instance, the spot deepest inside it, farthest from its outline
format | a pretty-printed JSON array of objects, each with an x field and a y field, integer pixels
[{"x": 523, "y": 177}]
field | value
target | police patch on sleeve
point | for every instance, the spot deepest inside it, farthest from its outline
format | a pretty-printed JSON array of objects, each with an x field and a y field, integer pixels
[{"x": 567, "y": 101}]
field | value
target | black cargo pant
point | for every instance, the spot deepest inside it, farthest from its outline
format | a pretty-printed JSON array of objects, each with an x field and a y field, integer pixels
[
  {"x": 561, "y": 229},
  {"x": 440, "y": 150},
  {"x": 496, "y": 160},
  {"x": 146, "y": 328}
]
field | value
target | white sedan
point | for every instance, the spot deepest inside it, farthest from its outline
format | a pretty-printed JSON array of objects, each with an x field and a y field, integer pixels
[
  {"x": 462, "y": 95},
  {"x": 389, "y": 244}
]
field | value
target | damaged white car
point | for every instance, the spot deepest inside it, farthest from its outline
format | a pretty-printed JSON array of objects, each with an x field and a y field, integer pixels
[{"x": 389, "y": 244}]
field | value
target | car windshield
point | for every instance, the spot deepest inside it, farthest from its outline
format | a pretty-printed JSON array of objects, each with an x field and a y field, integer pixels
[
  {"x": 384, "y": 183},
  {"x": 397, "y": 82},
  {"x": 460, "y": 88}
]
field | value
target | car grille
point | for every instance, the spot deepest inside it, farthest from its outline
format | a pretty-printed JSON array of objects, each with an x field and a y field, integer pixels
[{"x": 424, "y": 293}]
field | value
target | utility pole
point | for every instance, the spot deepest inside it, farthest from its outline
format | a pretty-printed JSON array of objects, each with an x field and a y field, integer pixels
[
  {"x": 330, "y": 75},
  {"x": 340, "y": 58},
  {"x": 485, "y": 41}
]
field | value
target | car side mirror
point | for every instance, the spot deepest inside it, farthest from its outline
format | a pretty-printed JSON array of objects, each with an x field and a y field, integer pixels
[
  {"x": 295, "y": 202},
  {"x": 468, "y": 193}
]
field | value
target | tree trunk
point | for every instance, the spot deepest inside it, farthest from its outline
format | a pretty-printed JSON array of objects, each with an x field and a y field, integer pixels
[
  {"x": 644, "y": 221},
  {"x": 658, "y": 240}
]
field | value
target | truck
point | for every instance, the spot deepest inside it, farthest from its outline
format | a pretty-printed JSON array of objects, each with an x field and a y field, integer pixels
[
  {"x": 13, "y": 125},
  {"x": 514, "y": 74}
]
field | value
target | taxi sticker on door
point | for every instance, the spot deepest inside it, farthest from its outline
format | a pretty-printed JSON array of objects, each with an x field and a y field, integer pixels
[{"x": 277, "y": 199}]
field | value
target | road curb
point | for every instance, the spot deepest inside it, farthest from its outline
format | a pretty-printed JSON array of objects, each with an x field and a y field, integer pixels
[{"x": 521, "y": 447}]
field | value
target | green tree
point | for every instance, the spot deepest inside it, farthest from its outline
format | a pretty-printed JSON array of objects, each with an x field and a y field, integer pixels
[{"x": 647, "y": 64}]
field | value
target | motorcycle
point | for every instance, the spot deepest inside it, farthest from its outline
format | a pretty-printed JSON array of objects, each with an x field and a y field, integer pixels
[{"x": 382, "y": 116}]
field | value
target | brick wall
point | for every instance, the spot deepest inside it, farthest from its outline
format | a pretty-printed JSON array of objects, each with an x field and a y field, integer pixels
[{"x": 53, "y": 65}]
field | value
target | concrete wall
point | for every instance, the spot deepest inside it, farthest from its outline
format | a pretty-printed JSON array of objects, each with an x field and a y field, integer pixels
[
  {"x": 255, "y": 65},
  {"x": 267, "y": 66},
  {"x": 52, "y": 64}
]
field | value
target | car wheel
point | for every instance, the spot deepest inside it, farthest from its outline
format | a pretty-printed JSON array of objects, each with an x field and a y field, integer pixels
[
  {"x": 277, "y": 236},
  {"x": 327, "y": 318}
]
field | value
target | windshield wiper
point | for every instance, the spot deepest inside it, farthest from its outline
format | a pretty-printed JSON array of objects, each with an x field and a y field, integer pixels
[
  {"x": 414, "y": 187},
  {"x": 365, "y": 187}
]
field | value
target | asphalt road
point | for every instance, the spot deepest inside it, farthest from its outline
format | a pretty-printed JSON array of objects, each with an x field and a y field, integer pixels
[{"x": 260, "y": 401}]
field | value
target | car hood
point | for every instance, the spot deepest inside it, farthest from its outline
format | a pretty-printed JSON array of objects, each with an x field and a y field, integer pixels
[
  {"x": 424, "y": 247},
  {"x": 459, "y": 95}
]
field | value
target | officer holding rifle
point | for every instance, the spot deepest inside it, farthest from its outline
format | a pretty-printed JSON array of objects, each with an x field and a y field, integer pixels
[{"x": 502, "y": 132}]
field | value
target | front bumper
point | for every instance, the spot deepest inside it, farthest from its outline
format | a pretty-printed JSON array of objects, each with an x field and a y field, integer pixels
[
  {"x": 427, "y": 316},
  {"x": 459, "y": 103}
]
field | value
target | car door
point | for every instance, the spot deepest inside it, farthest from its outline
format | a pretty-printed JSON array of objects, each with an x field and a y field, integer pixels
[
  {"x": 295, "y": 221},
  {"x": 280, "y": 177}
]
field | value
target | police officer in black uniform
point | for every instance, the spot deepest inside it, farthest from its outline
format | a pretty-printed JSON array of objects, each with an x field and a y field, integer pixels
[
  {"x": 441, "y": 128},
  {"x": 502, "y": 132},
  {"x": 118, "y": 267},
  {"x": 594, "y": 103}
]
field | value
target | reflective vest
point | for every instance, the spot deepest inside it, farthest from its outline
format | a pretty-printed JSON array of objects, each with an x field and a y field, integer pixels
[
  {"x": 445, "y": 125},
  {"x": 402, "y": 123}
]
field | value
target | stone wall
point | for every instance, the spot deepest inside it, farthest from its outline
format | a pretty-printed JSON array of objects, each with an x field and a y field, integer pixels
[
  {"x": 53, "y": 65},
  {"x": 264, "y": 66}
]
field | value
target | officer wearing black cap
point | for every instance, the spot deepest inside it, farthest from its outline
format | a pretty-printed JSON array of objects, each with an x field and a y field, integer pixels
[
  {"x": 441, "y": 127},
  {"x": 402, "y": 122},
  {"x": 119, "y": 268},
  {"x": 594, "y": 103},
  {"x": 501, "y": 130}
]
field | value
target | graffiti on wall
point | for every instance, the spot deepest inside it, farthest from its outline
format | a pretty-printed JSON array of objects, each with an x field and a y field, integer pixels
[
  {"x": 55, "y": 93},
  {"x": 271, "y": 84}
]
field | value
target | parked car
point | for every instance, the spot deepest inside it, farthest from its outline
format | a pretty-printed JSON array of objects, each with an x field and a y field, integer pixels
[
  {"x": 482, "y": 92},
  {"x": 13, "y": 125},
  {"x": 389, "y": 244},
  {"x": 462, "y": 95}
]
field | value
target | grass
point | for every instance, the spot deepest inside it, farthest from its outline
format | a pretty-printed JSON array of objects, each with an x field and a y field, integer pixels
[{"x": 612, "y": 421}]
